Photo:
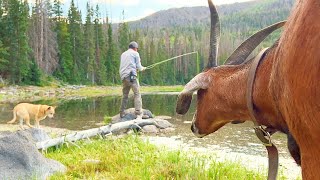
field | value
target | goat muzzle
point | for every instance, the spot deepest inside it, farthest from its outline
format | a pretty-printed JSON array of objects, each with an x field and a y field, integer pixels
[{"x": 194, "y": 128}]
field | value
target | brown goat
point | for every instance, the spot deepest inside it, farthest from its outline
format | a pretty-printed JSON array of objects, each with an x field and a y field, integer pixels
[{"x": 286, "y": 92}]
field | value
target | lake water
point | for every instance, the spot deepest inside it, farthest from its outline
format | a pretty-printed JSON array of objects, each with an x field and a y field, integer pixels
[{"x": 80, "y": 114}]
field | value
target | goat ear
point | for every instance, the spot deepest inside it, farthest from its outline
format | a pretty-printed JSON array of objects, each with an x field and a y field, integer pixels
[
  {"x": 200, "y": 81},
  {"x": 183, "y": 103}
]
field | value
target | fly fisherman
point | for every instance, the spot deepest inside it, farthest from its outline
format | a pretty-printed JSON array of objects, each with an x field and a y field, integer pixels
[{"x": 129, "y": 64}]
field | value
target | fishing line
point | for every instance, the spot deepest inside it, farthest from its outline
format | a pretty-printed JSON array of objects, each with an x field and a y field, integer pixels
[{"x": 155, "y": 64}]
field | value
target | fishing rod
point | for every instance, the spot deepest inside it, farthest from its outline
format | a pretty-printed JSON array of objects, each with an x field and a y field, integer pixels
[{"x": 155, "y": 64}]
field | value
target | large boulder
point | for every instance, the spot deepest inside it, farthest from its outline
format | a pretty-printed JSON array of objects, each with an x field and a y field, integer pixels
[{"x": 20, "y": 159}]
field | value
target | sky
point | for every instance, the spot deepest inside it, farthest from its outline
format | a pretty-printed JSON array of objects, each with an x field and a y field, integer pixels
[{"x": 137, "y": 9}]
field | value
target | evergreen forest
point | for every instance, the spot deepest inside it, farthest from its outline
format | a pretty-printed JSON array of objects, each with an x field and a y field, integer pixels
[{"x": 40, "y": 43}]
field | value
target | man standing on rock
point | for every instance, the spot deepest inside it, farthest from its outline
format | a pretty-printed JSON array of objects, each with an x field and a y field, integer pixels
[{"x": 130, "y": 63}]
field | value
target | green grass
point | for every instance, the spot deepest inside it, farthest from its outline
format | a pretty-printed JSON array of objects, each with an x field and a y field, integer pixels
[
  {"x": 161, "y": 88},
  {"x": 35, "y": 92},
  {"x": 107, "y": 119},
  {"x": 94, "y": 91},
  {"x": 131, "y": 158}
]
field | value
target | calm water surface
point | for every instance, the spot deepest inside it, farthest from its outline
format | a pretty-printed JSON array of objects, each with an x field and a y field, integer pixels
[{"x": 86, "y": 113}]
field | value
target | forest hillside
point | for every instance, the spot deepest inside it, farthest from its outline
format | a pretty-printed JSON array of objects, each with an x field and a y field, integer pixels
[{"x": 39, "y": 44}]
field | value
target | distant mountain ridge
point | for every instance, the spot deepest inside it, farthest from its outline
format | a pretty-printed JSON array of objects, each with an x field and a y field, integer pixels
[
  {"x": 192, "y": 16},
  {"x": 173, "y": 17}
]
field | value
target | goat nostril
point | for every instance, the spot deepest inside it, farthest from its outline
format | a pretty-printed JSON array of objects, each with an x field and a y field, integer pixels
[{"x": 192, "y": 128}]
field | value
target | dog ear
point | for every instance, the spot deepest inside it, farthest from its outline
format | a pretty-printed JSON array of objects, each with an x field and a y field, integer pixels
[{"x": 53, "y": 107}]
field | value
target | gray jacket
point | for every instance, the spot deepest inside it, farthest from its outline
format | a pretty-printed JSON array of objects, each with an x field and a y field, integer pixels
[{"x": 129, "y": 62}]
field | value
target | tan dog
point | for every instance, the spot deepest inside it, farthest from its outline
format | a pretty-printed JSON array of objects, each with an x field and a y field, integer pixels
[{"x": 25, "y": 111}]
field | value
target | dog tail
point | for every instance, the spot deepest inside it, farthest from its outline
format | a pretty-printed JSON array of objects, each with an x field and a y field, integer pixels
[{"x": 14, "y": 117}]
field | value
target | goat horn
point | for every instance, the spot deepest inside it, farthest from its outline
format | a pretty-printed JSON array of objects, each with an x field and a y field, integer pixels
[
  {"x": 244, "y": 50},
  {"x": 214, "y": 36},
  {"x": 200, "y": 81}
]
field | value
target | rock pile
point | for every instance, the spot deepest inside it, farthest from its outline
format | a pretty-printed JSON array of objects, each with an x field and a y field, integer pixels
[{"x": 163, "y": 126}]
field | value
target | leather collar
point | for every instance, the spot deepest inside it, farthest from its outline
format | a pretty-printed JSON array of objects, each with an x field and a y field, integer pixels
[{"x": 260, "y": 131}]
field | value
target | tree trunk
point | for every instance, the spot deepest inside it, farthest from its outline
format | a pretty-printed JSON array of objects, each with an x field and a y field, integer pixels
[{"x": 109, "y": 129}]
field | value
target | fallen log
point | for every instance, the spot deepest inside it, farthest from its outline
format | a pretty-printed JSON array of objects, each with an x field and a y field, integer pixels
[{"x": 109, "y": 129}]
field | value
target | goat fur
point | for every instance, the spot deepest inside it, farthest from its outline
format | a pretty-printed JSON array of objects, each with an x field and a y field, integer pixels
[{"x": 286, "y": 92}]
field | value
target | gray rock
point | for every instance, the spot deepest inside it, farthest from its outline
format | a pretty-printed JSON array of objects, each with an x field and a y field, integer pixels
[
  {"x": 167, "y": 130},
  {"x": 20, "y": 159},
  {"x": 4, "y": 133},
  {"x": 37, "y": 134},
  {"x": 130, "y": 115},
  {"x": 163, "y": 124},
  {"x": 163, "y": 117},
  {"x": 150, "y": 129}
]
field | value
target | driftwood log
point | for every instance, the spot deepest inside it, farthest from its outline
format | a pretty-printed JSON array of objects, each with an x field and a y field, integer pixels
[{"x": 109, "y": 129}]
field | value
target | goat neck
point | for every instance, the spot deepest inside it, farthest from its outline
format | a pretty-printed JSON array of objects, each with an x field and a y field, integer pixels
[{"x": 224, "y": 100}]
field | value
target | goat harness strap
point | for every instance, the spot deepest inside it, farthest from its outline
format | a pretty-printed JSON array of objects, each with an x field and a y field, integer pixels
[{"x": 260, "y": 131}]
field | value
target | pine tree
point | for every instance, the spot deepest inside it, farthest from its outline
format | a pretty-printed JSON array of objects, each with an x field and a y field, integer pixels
[
  {"x": 4, "y": 63},
  {"x": 123, "y": 36},
  {"x": 16, "y": 21},
  {"x": 164, "y": 70},
  {"x": 89, "y": 46},
  {"x": 100, "y": 49},
  {"x": 34, "y": 75},
  {"x": 76, "y": 39},
  {"x": 112, "y": 62},
  {"x": 153, "y": 75},
  {"x": 57, "y": 10},
  {"x": 65, "y": 67}
]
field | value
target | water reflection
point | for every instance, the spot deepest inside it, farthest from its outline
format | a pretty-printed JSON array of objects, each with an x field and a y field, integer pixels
[{"x": 86, "y": 113}]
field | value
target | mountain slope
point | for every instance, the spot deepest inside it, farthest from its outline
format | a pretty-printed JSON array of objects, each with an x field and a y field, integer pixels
[{"x": 233, "y": 15}]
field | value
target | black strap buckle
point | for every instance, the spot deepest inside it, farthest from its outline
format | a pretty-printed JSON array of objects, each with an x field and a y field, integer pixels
[{"x": 263, "y": 135}]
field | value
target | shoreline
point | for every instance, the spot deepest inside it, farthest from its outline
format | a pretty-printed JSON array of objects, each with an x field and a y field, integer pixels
[
  {"x": 287, "y": 167},
  {"x": 13, "y": 94}
]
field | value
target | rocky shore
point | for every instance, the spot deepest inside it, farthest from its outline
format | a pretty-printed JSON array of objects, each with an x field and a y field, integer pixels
[{"x": 33, "y": 93}]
